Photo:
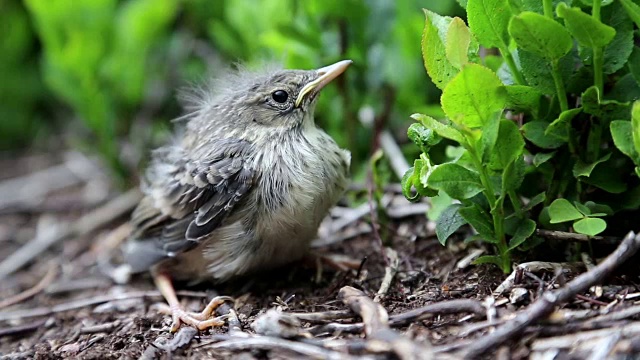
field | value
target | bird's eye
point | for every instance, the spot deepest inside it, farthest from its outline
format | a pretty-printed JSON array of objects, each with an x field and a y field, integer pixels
[{"x": 280, "y": 96}]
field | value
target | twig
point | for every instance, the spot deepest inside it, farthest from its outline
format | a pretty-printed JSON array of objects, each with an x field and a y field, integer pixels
[
  {"x": 534, "y": 266},
  {"x": 549, "y": 300},
  {"x": 351, "y": 232},
  {"x": 29, "y": 189},
  {"x": 106, "y": 328},
  {"x": 444, "y": 307},
  {"x": 376, "y": 326},
  {"x": 22, "y": 328},
  {"x": 467, "y": 260},
  {"x": 40, "y": 286},
  {"x": 567, "y": 236},
  {"x": 272, "y": 343},
  {"x": 396, "y": 158},
  {"x": 390, "y": 272},
  {"x": 83, "y": 226},
  {"x": 235, "y": 326},
  {"x": 77, "y": 304},
  {"x": 323, "y": 316},
  {"x": 569, "y": 341},
  {"x": 399, "y": 212}
]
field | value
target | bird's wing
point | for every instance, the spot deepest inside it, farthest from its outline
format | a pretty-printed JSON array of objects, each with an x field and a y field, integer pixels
[{"x": 188, "y": 199}]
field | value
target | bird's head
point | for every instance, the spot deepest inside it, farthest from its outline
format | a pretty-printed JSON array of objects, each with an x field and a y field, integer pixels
[{"x": 250, "y": 104}]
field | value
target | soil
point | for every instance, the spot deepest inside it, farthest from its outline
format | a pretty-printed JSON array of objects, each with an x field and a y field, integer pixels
[{"x": 109, "y": 328}]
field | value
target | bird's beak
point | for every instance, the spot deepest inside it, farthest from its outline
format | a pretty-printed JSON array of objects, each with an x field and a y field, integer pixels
[{"x": 327, "y": 74}]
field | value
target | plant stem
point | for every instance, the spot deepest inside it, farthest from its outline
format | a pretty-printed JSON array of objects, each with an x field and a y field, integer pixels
[
  {"x": 598, "y": 63},
  {"x": 595, "y": 11},
  {"x": 598, "y": 60},
  {"x": 548, "y": 8},
  {"x": 557, "y": 79},
  {"x": 508, "y": 58},
  {"x": 497, "y": 213}
]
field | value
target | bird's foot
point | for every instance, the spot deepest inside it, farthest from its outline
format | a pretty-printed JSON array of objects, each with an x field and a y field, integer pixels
[{"x": 199, "y": 320}]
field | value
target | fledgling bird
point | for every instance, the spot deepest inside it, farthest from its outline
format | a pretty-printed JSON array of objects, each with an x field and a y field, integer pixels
[{"x": 243, "y": 188}]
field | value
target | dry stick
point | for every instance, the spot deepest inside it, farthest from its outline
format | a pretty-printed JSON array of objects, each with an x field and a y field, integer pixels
[
  {"x": 11, "y": 331},
  {"x": 86, "y": 224},
  {"x": 549, "y": 300},
  {"x": 567, "y": 236},
  {"x": 390, "y": 272},
  {"x": 323, "y": 316},
  {"x": 391, "y": 149},
  {"x": 534, "y": 266},
  {"x": 77, "y": 304},
  {"x": 272, "y": 343},
  {"x": 444, "y": 307},
  {"x": 40, "y": 286},
  {"x": 27, "y": 189},
  {"x": 376, "y": 327}
]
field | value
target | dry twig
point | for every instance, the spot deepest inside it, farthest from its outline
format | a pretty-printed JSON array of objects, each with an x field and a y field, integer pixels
[
  {"x": 376, "y": 327},
  {"x": 549, "y": 300},
  {"x": 390, "y": 272},
  {"x": 83, "y": 226},
  {"x": 36, "y": 289}
]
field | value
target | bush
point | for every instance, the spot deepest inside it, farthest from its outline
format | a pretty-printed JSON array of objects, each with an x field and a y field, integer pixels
[{"x": 546, "y": 135}]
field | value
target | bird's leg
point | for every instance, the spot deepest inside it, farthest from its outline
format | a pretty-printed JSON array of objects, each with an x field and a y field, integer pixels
[{"x": 199, "y": 320}]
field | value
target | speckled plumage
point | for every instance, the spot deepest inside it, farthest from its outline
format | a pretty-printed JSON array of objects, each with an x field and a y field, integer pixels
[{"x": 246, "y": 184}]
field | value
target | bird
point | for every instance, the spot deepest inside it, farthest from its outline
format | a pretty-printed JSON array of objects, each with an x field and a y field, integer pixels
[{"x": 242, "y": 186}]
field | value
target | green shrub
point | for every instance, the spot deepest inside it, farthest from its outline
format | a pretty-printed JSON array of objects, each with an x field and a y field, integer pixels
[{"x": 546, "y": 135}]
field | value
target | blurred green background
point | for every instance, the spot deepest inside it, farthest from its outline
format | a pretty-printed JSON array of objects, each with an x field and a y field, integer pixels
[{"x": 102, "y": 75}]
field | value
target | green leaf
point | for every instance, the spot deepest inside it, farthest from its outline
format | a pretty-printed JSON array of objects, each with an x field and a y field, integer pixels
[
  {"x": 489, "y": 20},
  {"x": 562, "y": 210},
  {"x": 616, "y": 54},
  {"x": 449, "y": 222},
  {"x": 457, "y": 44},
  {"x": 584, "y": 169},
  {"x": 559, "y": 128},
  {"x": 509, "y": 147},
  {"x": 534, "y": 131},
  {"x": 540, "y": 35},
  {"x": 434, "y": 51},
  {"x": 473, "y": 96},
  {"x": 480, "y": 220},
  {"x": 513, "y": 174},
  {"x": 523, "y": 98},
  {"x": 622, "y": 134},
  {"x": 633, "y": 10},
  {"x": 603, "y": 3},
  {"x": 582, "y": 208},
  {"x": 488, "y": 259},
  {"x": 524, "y": 230},
  {"x": 446, "y": 131},
  {"x": 590, "y": 226},
  {"x": 599, "y": 208},
  {"x": 538, "y": 199},
  {"x": 408, "y": 179},
  {"x": 587, "y": 30},
  {"x": 438, "y": 204},
  {"x": 626, "y": 89},
  {"x": 422, "y": 136},
  {"x": 490, "y": 136},
  {"x": 457, "y": 181},
  {"x": 607, "y": 178},
  {"x": 634, "y": 64},
  {"x": 635, "y": 124},
  {"x": 604, "y": 109},
  {"x": 541, "y": 158},
  {"x": 537, "y": 71}
]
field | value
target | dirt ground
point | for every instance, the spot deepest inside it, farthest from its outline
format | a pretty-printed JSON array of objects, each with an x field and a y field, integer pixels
[{"x": 71, "y": 307}]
